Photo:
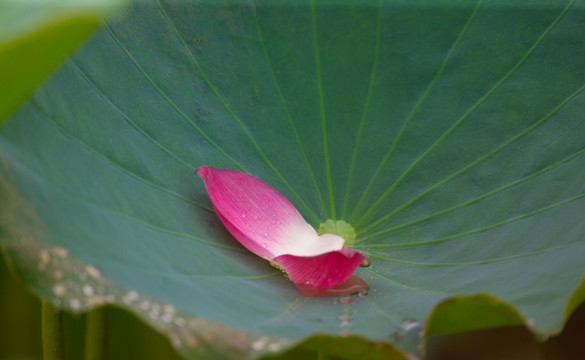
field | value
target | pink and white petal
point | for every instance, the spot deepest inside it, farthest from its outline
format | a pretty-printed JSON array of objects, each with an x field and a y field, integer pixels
[
  {"x": 304, "y": 241},
  {"x": 322, "y": 271},
  {"x": 259, "y": 217}
]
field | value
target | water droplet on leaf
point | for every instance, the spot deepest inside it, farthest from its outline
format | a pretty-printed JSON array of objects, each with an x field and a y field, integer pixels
[
  {"x": 346, "y": 299},
  {"x": 344, "y": 321},
  {"x": 60, "y": 252},
  {"x": 59, "y": 289},
  {"x": 75, "y": 304},
  {"x": 365, "y": 262},
  {"x": 87, "y": 290},
  {"x": 409, "y": 324}
]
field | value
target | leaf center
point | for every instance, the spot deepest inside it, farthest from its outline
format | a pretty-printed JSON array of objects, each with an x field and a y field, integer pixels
[{"x": 338, "y": 227}]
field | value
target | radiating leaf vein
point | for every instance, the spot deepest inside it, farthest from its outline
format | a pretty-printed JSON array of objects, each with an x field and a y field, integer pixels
[
  {"x": 228, "y": 109},
  {"x": 286, "y": 111},
  {"x": 472, "y": 109},
  {"x": 79, "y": 199},
  {"x": 480, "y": 262},
  {"x": 171, "y": 103},
  {"x": 322, "y": 114},
  {"x": 479, "y": 230},
  {"x": 477, "y": 161},
  {"x": 133, "y": 124},
  {"x": 365, "y": 112},
  {"x": 110, "y": 161},
  {"x": 415, "y": 109}
]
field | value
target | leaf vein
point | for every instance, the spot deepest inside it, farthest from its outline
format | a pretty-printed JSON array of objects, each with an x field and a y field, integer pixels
[
  {"x": 322, "y": 112},
  {"x": 366, "y": 109},
  {"x": 415, "y": 109},
  {"x": 286, "y": 110},
  {"x": 228, "y": 109},
  {"x": 479, "y": 160},
  {"x": 110, "y": 161},
  {"x": 480, "y": 262},
  {"x": 482, "y": 229},
  {"x": 496, "y": 86},
  {"x": 87, "y": 202},
  {"x": 171, "y": 103}
]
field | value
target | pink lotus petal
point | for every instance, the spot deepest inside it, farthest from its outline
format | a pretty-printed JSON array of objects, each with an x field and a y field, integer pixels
[
  {"x": 267, "y": 224},
  {"x": 321, "y": 271},
  {"x": 260, "y": 218}
]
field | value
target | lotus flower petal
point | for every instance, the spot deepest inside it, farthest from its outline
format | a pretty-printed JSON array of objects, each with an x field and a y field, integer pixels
[
  {"x": 321, "y": 271},
  {"x": 268, "y": 225}
]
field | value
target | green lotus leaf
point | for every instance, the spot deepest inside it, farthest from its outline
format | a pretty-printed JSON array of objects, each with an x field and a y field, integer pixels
[{"x": 448, "y": 134}]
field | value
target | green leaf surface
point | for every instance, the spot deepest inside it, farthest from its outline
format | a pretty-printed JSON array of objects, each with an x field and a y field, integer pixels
[
  {"x": 449, "y": 134},
  {"x": 35, "y": 36}
]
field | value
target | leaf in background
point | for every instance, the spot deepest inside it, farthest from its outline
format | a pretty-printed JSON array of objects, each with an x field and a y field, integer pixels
[
  {"x": 449, "y": 134},
  {"x": 35, "y": 36}
]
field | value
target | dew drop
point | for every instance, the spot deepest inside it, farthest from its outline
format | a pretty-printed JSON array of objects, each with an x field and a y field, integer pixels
[
  {"x": 45, "y": 257},
  {"x": 345, "y": 299},
  {"x": 75, "y": 304},
  {"x": 409, "y": 324},
  {"x": 59, "y": 289},
  {"x": 243, "y": 215},
  {"x": 351, "y": 286},
  {"x": 60, "y": 252},
  {"x": 365, "y": 262},
  {"x": 130, "y": 297},
  {"x": 93, "y": 271},
  {"x": 264, "y": 245},
  {"x": 87, "y": 290},
  {"x": 344, "y": 321},
  {"x": 259, "y": 344},
  {"x": 274, "y": 347},
  {"x": 144, "y": 305},
  {"x": 166, "y": 317}
]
